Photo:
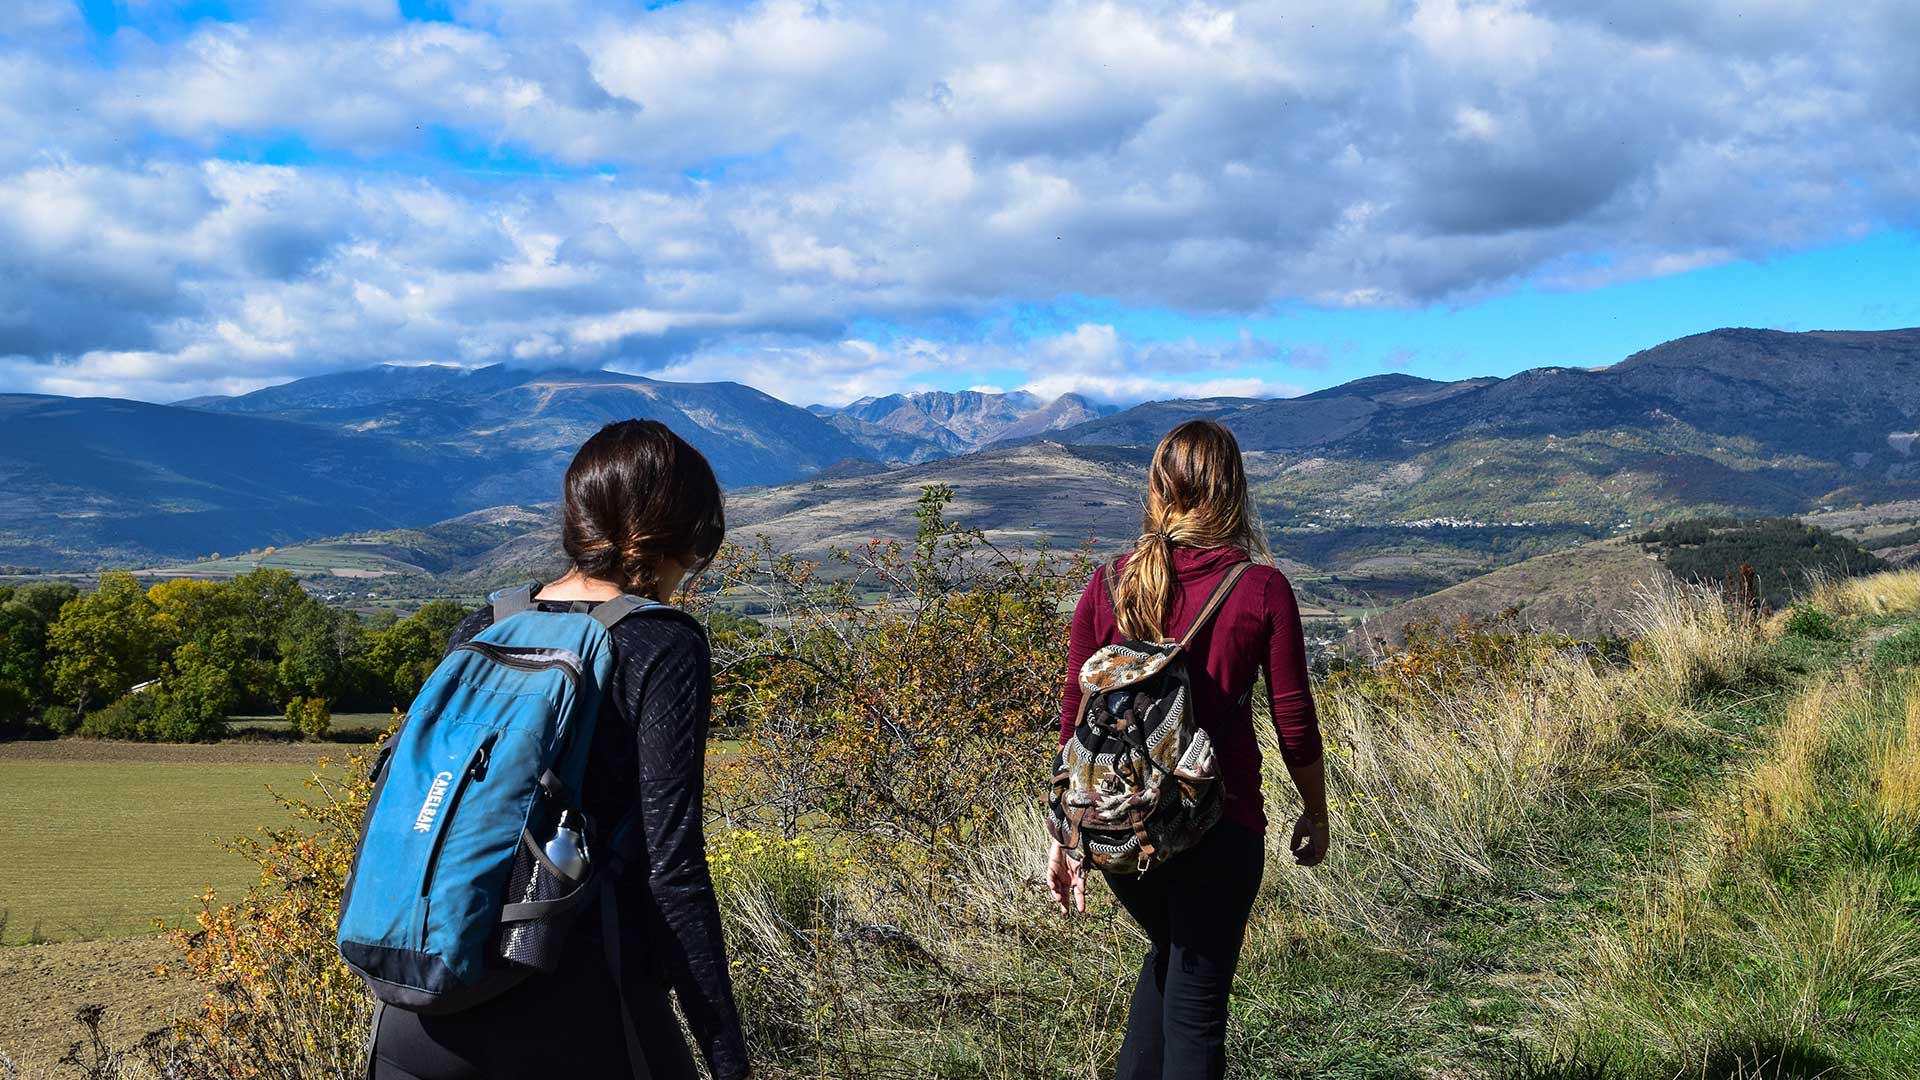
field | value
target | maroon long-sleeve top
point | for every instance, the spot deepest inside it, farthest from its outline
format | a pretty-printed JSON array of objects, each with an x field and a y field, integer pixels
[{"x": 1257, "y": 630}]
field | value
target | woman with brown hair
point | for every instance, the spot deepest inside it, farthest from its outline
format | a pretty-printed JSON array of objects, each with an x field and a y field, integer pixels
[
  {"x": 642, "y": 512},
  {"x": 1199, "y": 526}
]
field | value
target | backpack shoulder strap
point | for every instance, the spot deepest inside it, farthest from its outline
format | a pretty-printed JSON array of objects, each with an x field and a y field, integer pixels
[
  {"x": 610, "y": 943},
  {"x": 608, "y": 613},
  {"x": 1218, "y": 597},
  {"x": 510, "y": 602}
]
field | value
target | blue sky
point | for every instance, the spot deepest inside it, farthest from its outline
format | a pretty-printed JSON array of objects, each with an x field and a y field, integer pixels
[{"x": 834, "y": 199}]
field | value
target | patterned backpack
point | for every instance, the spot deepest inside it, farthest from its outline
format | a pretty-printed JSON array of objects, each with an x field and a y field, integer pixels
[{"x": 1136, "y": 784}]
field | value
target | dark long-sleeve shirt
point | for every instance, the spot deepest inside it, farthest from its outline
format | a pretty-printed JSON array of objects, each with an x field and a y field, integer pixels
[
  {"x": 649, "y": 755},
  {"x": 1256, "y": 631}
]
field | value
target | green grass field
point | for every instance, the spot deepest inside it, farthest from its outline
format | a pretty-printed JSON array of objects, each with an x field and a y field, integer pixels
[
  {"x": 102, "y": 838},
  {"x": 99, "y": 848}
]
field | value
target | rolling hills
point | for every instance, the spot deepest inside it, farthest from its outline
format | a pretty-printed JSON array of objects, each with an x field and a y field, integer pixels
[
  {"x": 1738, "y": 422},
  {"x": 86, "y": 481},
  {"x": 524, "y": 425}
]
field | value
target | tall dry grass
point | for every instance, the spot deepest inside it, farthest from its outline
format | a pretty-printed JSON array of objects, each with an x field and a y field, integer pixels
[
  {"x": 1687, "y": 641},
  {"x": 1784, "y": 790},
  {"x": 1442, "y": 768},
  {"x": 1891, "y": 592},
  {"x": 1896, "y": 767},
  {"x": 1788, "y": 940},
  {"x": 839, "y": 975},
  {"x": 1433, "y": 785}
]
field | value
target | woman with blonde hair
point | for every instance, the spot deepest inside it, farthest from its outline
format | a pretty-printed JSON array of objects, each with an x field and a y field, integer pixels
[{"x": 1199, "y": 527}]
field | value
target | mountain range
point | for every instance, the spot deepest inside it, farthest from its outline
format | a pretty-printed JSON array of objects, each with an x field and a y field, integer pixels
[
  {"x": 1740, "y": 421},
  {"x": 939, "y": 423}
]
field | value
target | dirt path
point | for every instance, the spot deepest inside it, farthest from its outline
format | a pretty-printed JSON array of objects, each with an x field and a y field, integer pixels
[{"x": 41, "y": 986}]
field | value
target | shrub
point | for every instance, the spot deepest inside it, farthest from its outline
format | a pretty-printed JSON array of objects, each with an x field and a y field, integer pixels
[
  {"x": 134, "y": 716},
  {"x": 900, "y": 707},
  {"x": 1813, "y": 624},
  {"x": 280, "y": 1002},
  {"x": 60, "y": 720},
  {"x": 309, "y": 718}
]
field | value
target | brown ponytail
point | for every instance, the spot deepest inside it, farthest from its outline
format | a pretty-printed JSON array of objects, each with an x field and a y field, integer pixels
[
  {"x": 1197, "y": 497},
  {"x": 637, "y": 493}
]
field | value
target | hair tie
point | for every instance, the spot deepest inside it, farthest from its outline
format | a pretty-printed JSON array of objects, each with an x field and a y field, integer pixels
[{"x": 1164, "y": 537}]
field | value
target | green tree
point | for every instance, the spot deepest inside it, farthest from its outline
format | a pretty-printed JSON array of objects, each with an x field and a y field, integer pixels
[
  {"x": 16, "y": 704},
  {"x": 261, "y": 603},
  {"x": 103, "y": 643},
  {"x": 316, "y": 642},
  {"x": 186, "y": 609},
  {"x": 44, "y": 599},
  {"x": 400, "y": 656},
  {"x": 196, "y": 690},
  {"x": 23, "y": 653},
  {"x": 25, "y": 613}
]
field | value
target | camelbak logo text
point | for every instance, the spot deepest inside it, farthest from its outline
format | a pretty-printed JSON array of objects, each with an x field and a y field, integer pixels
[{"x": 436, "y": 793}]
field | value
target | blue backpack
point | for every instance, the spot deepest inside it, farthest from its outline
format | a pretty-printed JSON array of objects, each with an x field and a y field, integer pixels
[{"x": 455, "y": 894}]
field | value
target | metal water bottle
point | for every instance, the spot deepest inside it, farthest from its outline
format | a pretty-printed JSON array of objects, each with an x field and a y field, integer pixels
[{"x": 567, "y": 851}]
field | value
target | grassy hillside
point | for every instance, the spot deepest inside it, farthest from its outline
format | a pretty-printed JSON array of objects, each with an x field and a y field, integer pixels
[{"x": 1586, "y": 591}]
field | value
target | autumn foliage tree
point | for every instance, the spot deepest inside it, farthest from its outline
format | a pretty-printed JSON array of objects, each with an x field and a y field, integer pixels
[
  {"x": 278, "y": 1001},
  {"x": 901, "y": 702}
]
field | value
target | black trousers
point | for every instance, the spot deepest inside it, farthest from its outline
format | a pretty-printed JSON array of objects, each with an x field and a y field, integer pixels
[
  {"x": 567, "y": 1025},
  {"x": 1194, "y": 909}
]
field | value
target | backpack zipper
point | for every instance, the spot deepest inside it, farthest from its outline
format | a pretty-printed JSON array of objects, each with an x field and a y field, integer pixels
[
  {"x": 534, "y": 658},
  {"x": 530, "y": 658},
  {"x": 476, "y": 768}
]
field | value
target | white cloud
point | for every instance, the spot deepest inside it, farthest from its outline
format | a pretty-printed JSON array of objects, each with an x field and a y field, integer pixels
[{"x": 731, "y": 188}]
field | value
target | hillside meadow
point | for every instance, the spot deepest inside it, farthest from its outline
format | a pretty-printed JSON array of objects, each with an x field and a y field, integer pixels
[{"x": 1695, "y": 859}]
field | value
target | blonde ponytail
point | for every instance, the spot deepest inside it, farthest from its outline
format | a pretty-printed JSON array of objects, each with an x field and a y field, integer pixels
[{"x": 1196, "y": 497}]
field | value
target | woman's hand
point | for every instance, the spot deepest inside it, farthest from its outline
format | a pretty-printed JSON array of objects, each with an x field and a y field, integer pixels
[
  {"x": 1310, "y": 839},
  {"x": 1066, "y": 880}
]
